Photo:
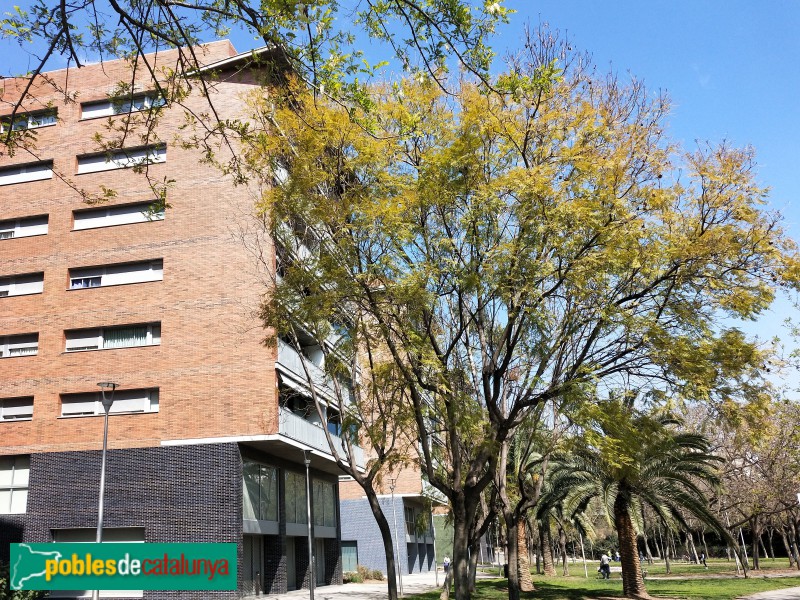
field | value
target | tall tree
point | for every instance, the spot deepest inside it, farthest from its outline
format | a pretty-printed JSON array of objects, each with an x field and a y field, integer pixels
[
  {"x": 315, "y": 40},
  {"x": 628, "y": 459},
  {"x": 512, "y": 249}
]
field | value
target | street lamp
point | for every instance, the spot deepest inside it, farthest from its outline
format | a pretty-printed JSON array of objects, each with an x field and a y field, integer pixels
[
  {"x": 107, "y": 402},
  {"x": 312, "y": 579},
  {"x": 397, "y": 566}
]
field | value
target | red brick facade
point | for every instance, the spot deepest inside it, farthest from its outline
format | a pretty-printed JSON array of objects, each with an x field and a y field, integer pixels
[{"x": 216, "y": 378}]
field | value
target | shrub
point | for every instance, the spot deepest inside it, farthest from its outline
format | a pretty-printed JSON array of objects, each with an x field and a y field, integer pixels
[
  {"x": 377, "y": 575},
  {"x": 363, "y": 572},
  {"x": 8, "y": 594},
  {"x": 352, "y": 577}
]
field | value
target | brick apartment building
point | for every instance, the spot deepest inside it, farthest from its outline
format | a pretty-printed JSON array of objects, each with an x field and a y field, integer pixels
[{"x": 201, "y": 448}]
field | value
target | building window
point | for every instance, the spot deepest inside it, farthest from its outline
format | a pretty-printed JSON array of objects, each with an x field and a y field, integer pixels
[
  {"x": 411, "y": 528},
  {"x": 349, "y": 556},
  {"x": 260, "y": 492},
  {"x": 16, "y": 409},
  {"x": 296, "y": 509},
  {"x": 32, "y": 120},
  {"x": 324, "y": 503},
  {"x": 125, "y": 402},
  {"x": 22, "y": 285},
  {"x": 140, "y": 272},
  {"x": 121, "y": 106},
  {"x": 141, "y": 212},
  {"x": 24, "y": 173},
  {"x": 122, "y": 159},
  {"x": 25, "y": 227},
  {"x": 106, "y": 338},
  {"x": 19, "y": 345},
  {"x": 14, "y": 474}
]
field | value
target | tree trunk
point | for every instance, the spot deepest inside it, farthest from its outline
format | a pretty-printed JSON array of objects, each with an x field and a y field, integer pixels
[
  {"x": 546, "y": 546},
  {"x": 647, "y": 552},
  {"x": 523, "y": 558},
  {"x": 512, "y": 558},
  {"x": 659, "y": 544},
  {"x": 755, "y": 531},
  {"x": 448, "y": 580},
  {"x": 771, "y": 548},
  {"x": 562, "y": 543},
  {"x": 388, "y": 542},
  {"x": 787, "y": 548},
  {"x": 694, "y": 556},
  {"x": 667, "y": 552},
  {"x": 474, "y": 549},
  {"x": 764, "y": 552},
  {"x": 705, "y": 546},
  {"x": 687, "y": 554},
  {"x": 632, "y": 580},
  {"x": 460, "y": 563},
  {"x": 793, "y": 542}
]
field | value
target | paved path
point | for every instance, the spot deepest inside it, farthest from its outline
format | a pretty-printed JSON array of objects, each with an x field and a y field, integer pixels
[
  {"x": 412, "y": 584},
  {"x": 784, "y": 594}
]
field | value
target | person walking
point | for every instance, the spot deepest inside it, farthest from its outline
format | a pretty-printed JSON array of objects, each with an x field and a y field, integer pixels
[{"x": 605, "y": 567}]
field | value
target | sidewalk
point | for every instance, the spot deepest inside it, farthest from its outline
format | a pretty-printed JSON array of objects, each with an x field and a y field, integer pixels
[
  {"x": 784, "y": 594},
  {"x": 412, "y": 584}
]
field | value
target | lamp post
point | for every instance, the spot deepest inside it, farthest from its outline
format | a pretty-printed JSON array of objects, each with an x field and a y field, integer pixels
[
  {"x": 397, "y": 566},
  {"x": 311, "y": 580},
  {"x": 107, "y": 402}
]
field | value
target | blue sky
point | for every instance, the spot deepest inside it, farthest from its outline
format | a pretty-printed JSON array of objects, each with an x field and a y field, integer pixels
[{"x": 730, "y": 67}]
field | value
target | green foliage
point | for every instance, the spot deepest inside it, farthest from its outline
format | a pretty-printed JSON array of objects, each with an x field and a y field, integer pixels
[
  {"x": 504, "y": 251},
  {"x": 6, "y": 593},
  {"x": 363, "y": 573},
  {"x": 316, "y": 39},
  {"x": 352, "y": 577}
]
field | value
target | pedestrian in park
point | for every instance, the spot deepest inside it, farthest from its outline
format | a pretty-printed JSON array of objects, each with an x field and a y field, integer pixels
[
  {"x": 703, "y": 559},
  {"x": 446, "y": 564},
  {"x": 616, "y": 556},
  {"x": 605, "y": 567}
]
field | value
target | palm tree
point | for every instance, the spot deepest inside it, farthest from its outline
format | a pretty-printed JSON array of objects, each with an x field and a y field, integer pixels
[{"x": 629, "y": 459}]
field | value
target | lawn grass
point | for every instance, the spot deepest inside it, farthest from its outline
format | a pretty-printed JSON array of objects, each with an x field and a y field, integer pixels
[{"x": 691, "y": 582}]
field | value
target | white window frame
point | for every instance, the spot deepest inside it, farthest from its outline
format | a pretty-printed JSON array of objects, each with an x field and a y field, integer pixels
[
  {"x": 121, "y": 106},
  {"x": 16, "y": 285},
  {"x": 93, "y": 402},
  {"x": 37, "y": 171},
  {"x": 30, "y": 120},
  {"x": 121, "y": 214},
  {"x": 8, "y": 414},
  {"x": 122, "y": 159},
  {"x": 22, "y": 227},
  {"x": 111, "y": 275},
  {"x": 19, "y": 468},
  {"x": 12, "y": 346},
  {"x": 96, "y": 342}
]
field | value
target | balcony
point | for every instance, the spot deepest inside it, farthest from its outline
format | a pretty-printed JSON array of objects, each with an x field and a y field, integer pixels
[
  {"x": 290, "y": 363},
  {"x": 313, "y": 435}
]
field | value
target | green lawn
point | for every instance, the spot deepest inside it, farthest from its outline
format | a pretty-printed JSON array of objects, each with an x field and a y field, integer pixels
[{"x": 696, "y": 583}]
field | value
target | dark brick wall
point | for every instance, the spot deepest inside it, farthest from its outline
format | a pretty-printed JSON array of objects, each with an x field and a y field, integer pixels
[
  {"x": 177, "y": 493},
  {"x": 274, "y": 565},
  {"x": 333, "y": 561},
  {"x": 302, "y": 568}
]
